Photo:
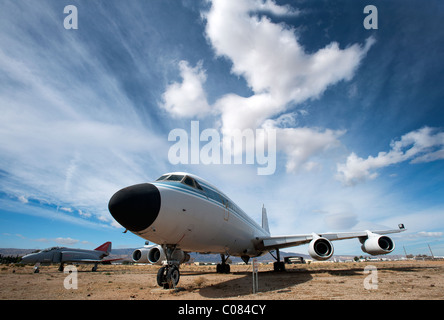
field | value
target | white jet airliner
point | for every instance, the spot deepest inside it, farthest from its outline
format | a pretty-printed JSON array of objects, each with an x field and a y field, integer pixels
[{"x": 183, "y": 213}]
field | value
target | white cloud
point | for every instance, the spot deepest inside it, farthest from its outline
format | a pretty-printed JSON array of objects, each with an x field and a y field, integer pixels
[
  {"x": 65, "y": 241},
  {"x": 277, "y": 69},
  {"x": 23, "y": 199},
  {"x": 84, "y": 214},
  {"x": 423, "y": 145},
  {"x": 187, "y": 99},
  {"x": 301, "y": 144},
  {"x": 427, "y": 234},
  {"x": 270, "y": 58}
]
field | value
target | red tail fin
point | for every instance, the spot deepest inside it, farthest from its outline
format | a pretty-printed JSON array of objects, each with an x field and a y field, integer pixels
[{"x": 106, "y": 247}]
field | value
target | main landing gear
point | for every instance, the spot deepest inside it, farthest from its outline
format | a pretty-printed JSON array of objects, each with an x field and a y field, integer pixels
[
  {"x": 278, "y": 265},
  {"x": 223, "y": 267}
]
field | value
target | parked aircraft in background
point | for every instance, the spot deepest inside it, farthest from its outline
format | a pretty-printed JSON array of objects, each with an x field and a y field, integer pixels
[
  {"x": 182, "y": 213},
  {"x": 67, "y": 255}
]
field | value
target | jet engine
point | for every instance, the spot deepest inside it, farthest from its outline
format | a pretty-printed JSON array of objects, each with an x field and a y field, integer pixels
[
  {"x": 141, "y": 255},
  {"x": 320, "y": 248},
  {"x": 156, "y": 255},
  {"x": 376, "y": 244}
]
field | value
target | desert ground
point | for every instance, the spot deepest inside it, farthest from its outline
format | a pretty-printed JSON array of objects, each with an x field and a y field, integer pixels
[{"x": 400, "y": 280}]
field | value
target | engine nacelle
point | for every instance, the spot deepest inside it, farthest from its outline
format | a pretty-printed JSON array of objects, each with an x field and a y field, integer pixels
[
  {"x": 320, "y": 248},
  {"x": 376, "y": 244},
  {"x": 141, "y": 255},
  {"x": 156, "y": 255}
]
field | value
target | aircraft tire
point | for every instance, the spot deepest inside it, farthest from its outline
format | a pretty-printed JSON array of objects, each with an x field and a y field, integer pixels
[
  {"x": 161, "y": 276},
  {"x": 279, "y": 266},
  {"x": 173, "y": 276},
  {"x": 223, "y": 268}
]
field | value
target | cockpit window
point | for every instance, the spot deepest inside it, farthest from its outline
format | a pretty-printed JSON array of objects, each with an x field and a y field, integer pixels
[
  {"x": 188, "y": 181},
  {"x": 175, "y": 177},
  {"x": 191, "y": 182},
  {"x": 198, "y": 185},
  {"x": 51, "y": 249}
]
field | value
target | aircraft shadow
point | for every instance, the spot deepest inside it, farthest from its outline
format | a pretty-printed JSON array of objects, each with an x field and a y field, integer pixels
[
  {"x": 359, "y": 270},
  {"x": 268, "y": 281},
  {"x": 274, "y": 281}
]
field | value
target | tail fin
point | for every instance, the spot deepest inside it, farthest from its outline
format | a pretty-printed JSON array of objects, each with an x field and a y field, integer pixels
[
  {"x": 106, "y": 247},
  {"x": 265, "y": 219}
]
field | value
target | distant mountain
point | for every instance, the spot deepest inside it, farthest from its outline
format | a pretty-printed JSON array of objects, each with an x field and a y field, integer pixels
[{"x": 15, "y": 252}]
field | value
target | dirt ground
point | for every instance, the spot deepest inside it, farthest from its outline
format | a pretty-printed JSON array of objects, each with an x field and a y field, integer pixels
[{"x": 412, "y": 280}]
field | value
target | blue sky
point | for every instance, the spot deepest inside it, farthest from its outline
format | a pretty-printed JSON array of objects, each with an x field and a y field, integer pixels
[{"x": 358, "y": 113}]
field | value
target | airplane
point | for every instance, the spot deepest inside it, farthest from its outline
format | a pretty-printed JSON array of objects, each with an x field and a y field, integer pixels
[
  {"x": 182, "y": 213},
  {"x": 64, "y": 255}
]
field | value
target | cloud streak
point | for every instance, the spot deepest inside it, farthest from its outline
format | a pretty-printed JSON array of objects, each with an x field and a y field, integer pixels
[
  {"x": 419, "y": 146},
  {"x": 71, "y": 135}
]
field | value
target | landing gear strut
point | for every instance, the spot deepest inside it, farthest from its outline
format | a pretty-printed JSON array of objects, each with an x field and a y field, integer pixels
[
  {"x": 223, "y": 267},
  {"x": 168, "y": 276},
  {"x": 278, "y": 265}
]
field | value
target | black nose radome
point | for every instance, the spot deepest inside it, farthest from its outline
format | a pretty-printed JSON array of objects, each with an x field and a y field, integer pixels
[{"x": 135, "y": 207}]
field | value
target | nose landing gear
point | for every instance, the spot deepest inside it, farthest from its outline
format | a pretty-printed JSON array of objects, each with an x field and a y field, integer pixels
[{"x": 168, "y": 276}]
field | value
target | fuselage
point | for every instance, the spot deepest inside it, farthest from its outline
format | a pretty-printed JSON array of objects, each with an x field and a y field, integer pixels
[
  {"x": 187, "y": 211},
  {"x": 60, "y": 254}
]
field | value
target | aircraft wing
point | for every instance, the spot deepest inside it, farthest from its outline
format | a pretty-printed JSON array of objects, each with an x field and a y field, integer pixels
[{"x": 279, "y": 242}]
